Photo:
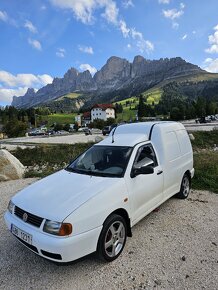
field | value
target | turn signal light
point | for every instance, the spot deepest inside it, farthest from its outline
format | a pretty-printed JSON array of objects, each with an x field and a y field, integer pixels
[{"x": 65, "y": 229}]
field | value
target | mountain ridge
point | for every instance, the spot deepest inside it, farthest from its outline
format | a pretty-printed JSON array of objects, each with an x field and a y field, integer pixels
[{"x": 117, "y": 74}]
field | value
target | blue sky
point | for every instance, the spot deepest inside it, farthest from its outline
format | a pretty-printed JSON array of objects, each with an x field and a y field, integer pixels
[{"x": 40, "y": 40}]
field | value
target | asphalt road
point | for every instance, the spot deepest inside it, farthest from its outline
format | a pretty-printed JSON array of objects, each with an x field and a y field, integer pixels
[{"x": 174, "y": 247}]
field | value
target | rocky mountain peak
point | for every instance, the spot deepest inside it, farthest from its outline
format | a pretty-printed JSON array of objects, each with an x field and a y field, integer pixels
[
  {"x": 117, "y": 74},
  {"x": 72, "y": 72},
  {"x": 30, "y": 92},
  {"x": 116, "y": 70}
]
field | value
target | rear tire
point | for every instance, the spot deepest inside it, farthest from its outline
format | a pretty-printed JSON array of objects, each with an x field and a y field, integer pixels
[
  {"x": 112, "y": 238},
  {"x": 185, "y": 187}
]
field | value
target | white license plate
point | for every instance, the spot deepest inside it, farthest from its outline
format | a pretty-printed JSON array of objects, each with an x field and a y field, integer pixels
[{"x": 21, "y": 234}]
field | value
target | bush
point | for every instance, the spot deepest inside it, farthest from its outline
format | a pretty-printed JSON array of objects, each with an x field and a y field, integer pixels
[
  {"x": 66, "y": 127},
  {"x": 15, "y": 128},
  {"x": 58, "y": 127}
]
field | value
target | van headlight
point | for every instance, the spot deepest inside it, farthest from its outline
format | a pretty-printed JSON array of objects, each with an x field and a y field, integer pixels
[
  {"x": 10, "y": 206},
  {"x": 58, "y": 229}
]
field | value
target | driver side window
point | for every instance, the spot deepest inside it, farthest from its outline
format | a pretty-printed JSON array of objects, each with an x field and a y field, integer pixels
[{"x": 145, "y": 157}]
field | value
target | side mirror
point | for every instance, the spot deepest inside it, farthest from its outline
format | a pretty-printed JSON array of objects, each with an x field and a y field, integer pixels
[{"x": 142, "y": 170}]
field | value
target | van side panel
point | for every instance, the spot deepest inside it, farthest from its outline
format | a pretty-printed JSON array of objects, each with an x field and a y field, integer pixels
[
  {"x": 173, "y": 164},
  {"x": 175, "y": 154}
]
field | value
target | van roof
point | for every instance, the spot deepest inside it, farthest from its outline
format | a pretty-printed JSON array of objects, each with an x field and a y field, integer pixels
[{"x": 134, "y": 133}]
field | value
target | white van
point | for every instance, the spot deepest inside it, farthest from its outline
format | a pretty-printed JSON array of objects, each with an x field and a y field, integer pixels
[{"x": 93, "y": 203}]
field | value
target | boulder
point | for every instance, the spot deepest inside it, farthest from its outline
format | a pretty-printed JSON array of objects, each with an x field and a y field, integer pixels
[{"x": 10, "y": 167}]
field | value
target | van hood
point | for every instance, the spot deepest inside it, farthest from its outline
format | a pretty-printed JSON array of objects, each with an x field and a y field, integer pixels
[{"x": 61, "y": 193}]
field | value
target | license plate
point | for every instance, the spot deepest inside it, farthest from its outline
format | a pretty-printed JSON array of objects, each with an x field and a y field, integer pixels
[{"x": 21, "y": 234}]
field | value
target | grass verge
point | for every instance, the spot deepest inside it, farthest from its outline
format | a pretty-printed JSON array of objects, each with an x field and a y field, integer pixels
[
  {"x": 204, "y": 139},
  {"x": 206, "y": 171},
  {"x": 47, "y": 159}
]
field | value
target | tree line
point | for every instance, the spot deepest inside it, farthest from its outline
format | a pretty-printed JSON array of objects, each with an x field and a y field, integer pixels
[{"x": 178, "y": 106}]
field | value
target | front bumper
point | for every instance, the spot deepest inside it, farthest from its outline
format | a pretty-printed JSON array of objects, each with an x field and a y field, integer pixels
[{"x": 59, "y": 249}]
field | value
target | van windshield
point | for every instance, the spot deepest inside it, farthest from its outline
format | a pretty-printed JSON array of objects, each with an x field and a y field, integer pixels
[{"x": 107, "y": 161}]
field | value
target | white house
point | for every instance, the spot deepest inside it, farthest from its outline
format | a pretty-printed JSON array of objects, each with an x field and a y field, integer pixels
[{"x": 102, "y": 111}]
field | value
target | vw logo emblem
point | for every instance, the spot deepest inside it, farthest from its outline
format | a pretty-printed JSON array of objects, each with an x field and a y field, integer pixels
[{"x": 25, "y": 217}]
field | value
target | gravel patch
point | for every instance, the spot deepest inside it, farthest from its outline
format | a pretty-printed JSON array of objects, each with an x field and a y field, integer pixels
[{"x": 174, "y": 247}]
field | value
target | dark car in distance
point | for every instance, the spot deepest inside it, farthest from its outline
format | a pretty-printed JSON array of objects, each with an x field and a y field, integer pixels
[{"x": 107, "y": 129}]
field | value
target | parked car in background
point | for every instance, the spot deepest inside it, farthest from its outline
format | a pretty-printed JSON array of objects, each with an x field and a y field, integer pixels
[
  {"x": 37, "y": 132},
  {"x": 93, "y": 203},
  {"x": 107, "y": 129},
  {"x": 87, "y": 131},
  {"x": 81, "y": 129}
]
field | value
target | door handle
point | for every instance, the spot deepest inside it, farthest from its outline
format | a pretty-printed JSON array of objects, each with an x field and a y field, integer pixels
[{"x": 159, "y": 172}]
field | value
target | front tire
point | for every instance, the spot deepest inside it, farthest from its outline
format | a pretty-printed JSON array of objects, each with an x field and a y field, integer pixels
[
  {"x": 185, "y": 187},
  {"x": 112, "y": 238}
]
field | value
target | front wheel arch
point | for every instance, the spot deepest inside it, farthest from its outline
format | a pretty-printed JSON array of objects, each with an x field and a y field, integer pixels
[
  {"x": 122, "y": 212},
  {"x": 112, "y": 238}
]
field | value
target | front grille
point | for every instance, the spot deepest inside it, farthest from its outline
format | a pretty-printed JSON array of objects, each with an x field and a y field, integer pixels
[{"x": 31, "y": 219}]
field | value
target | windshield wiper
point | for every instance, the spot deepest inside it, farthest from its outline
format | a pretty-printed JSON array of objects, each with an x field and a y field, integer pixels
[{"x": 70, "y": 169}]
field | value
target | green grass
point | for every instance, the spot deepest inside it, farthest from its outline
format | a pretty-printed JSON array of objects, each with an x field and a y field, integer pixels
[
  {"x": 205, "y": 160},
  {"x": 69, "y": 96},
  {"x": 46, "y": 159},
  {"x": 126, "y": 115},
  {"x": 153, "y": 96},
  {"x": 57, "y": 118},
  {"x": 205, "y": 140},
  {"x": 206, "y": 171}
]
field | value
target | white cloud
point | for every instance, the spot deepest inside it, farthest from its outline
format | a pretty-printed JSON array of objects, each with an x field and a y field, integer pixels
[
  {"x": 44, "y": 79},
  {"x": 182, "y": 6},
  {"x": 6, "y": 95},
  {"x": 142, "y": 44},
  {"x": 174, "y": 14},
  {"x": 24, "y": 80},
  {"x": 111, "y": 12},
  {"x": 184, "y": 36},
  {"x": 175, "y": 25},
  {"x": 164, "y": 1},
  {"x": 35, "y": 44},
  {"x": 86, "y": 66},
  {"x": 211, "y": 65},
  {"x": 3, "y": 16},
  {"x": 127, "y": 3},
  {"x": 43, "y": 7},
  {"x": 61, "y": 52},
  {"x": 213, "y": 41},
  {"x": 129, "y": 46},
  {"x": 86, "y": 49},
  {"x": 28, "y": 24},
  {"x": 124, "y": 29},
  {"x": 83, "y": 10},
  {"x": 17, "y": 85},
  {"x": 208, "y": 60}
]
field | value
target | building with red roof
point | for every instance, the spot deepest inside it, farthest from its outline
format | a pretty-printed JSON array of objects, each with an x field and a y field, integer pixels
[{"x": 102, "y": 111}]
